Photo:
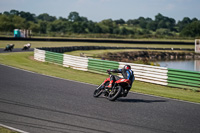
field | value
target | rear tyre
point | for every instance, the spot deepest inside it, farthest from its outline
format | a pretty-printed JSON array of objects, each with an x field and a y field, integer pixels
[{"x": 114, "y": 94}]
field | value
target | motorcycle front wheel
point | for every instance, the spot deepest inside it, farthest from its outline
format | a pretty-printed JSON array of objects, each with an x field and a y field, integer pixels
[
  {"x": 98, "y": 91},
  {"x": 114, "y": 93}
]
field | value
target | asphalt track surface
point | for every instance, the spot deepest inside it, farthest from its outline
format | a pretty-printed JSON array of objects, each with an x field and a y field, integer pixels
[
  {"x": 41, "y": 104},
  {"x": 15, "y": 50}
]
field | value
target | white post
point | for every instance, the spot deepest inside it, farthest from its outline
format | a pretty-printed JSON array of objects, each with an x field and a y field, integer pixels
[
  {"x": 197, "y": 45},
  {"x": 197, "y": 65}
]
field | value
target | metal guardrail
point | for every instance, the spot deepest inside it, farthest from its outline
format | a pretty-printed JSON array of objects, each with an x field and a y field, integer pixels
[
  {"x": 54, "y": 57},
  {"x": 75, "y": 62},
  {"x": 146, "y": 73},
  {"x": 39, "y": 55},
  {"x": 100, "y": 66},
  {"x": 184, "y": 79}
]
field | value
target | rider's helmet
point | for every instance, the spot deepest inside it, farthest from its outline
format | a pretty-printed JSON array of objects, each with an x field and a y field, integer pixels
[{"x": 127, "y": 67}]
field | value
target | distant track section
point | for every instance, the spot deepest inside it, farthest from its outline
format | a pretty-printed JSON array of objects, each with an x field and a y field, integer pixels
[
  {"x": 15, "y": 50},
  {"x": 98, "y": 41}
]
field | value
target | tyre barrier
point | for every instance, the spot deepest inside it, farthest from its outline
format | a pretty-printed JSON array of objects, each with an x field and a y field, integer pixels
[{"x": 73, "y": 48}]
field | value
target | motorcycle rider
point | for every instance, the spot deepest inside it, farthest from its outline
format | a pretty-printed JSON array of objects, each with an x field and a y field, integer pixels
[
  {"x": 26, "y": 46},
  {"x": 127, "y": 73},
  {"x": 9, "y": 47}
]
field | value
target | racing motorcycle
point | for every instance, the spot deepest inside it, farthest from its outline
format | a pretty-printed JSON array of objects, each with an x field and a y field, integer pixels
[
  {"x": 120, "y": 88},
  {"x": 9, "y": 47}
]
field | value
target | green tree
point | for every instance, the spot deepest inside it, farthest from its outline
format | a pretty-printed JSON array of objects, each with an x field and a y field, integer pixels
[
  {"x": 107, "y": 26},
  {"x": 74, "y": 16},
  {"x": 78, "y": 27},
  {"x": 162, "y": 24},
  {"x": 46, "y": 17},
  {"x": 159, "y": 17},
  {"x": 94, "y": 28},
  {"x": 28, "y": 16},
  {"x": 194, "y": 19},
  {"x": 34, "y": 27},
  {"x": 163, "y": 32},
  {"x": 6, "y": 13},
  {"x": 14, "y": 12},
  {"x": 19, "y": 22},
  {"x": 59, "y": 26},
  {"x": 133, "y": 22},
  {"x": 181, "y": 24},
  {"x": 63, "y": 19},
  {"x": 6, "y": 23},
  {"x": 120, "y": 21},
  {"x": 43, "y": 27},
  {"x": 152, "y": 26},
  {"x": 123, "y": 31},
  {"x": 165, "y": 22},
  {"x": 191, "y": 30},
  {"x": 142, "y": 22}
]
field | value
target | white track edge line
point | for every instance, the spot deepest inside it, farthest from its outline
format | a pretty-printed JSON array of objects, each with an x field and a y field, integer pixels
[{"x": 12, "y": 128}]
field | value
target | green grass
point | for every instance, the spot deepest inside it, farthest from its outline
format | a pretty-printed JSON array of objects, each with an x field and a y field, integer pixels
[
  {"x": 5, "y": 130},
  {"x": 25, "y": 61}
]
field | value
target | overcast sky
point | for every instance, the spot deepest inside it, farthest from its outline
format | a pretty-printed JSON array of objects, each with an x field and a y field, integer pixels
[{"x": 97, "y": 10}]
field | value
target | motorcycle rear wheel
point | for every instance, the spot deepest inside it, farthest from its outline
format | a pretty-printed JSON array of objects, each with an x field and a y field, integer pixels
[{"x": 114, "y": 94}]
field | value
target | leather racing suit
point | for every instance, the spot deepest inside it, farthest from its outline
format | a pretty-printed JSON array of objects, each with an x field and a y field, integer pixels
[{"x": 126, "y": 73}]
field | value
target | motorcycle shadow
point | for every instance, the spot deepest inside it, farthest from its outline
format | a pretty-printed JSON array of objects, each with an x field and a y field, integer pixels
[{"x": 139, "y": 101}]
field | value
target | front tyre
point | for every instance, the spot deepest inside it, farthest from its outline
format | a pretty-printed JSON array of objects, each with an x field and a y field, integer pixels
[
  {"x": 98, "y": 91},
  {"x": 114, "y": 94}
]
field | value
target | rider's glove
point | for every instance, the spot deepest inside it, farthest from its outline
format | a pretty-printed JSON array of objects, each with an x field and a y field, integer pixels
[{"x": 108, "y": 70}]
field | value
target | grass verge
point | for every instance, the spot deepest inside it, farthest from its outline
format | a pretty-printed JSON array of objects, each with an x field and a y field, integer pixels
[
  {"x": 25, "y": 61},
  {"x": 5, "y": 130}
]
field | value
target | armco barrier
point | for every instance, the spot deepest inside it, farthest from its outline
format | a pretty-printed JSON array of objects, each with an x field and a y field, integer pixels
[
  {"x": 100, "y": 66},
  {"x": 54, "y": 57},
  {"x": 184, "y": 79},
  {"x": 145, "y": 73},
  {"x": 80, "y": 63},
  {"x": 39, "y": 55}
]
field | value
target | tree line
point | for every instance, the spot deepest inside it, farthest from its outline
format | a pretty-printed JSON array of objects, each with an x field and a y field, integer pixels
[{"x": 160, "y": 26}]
